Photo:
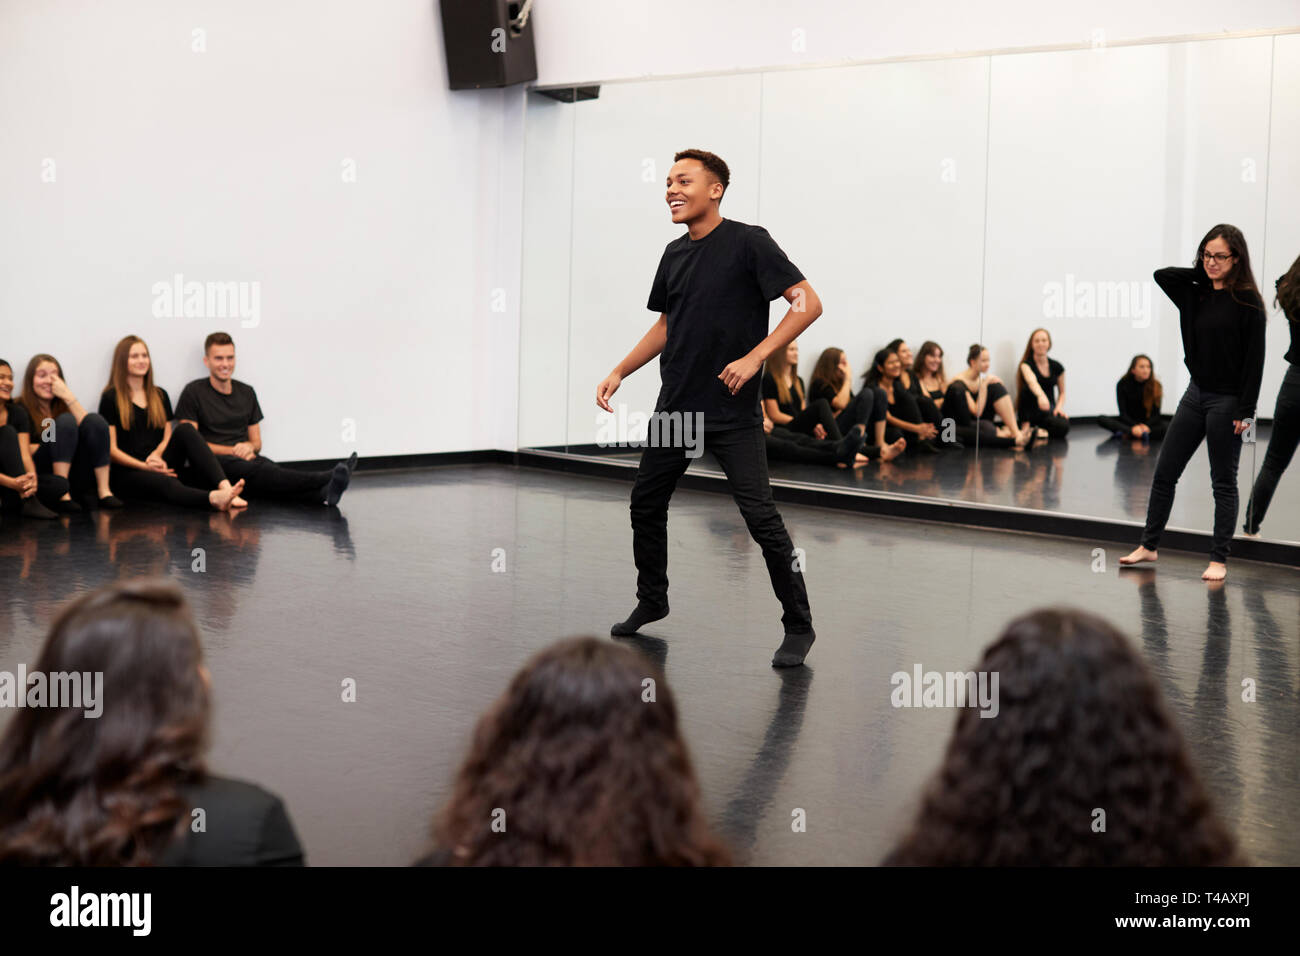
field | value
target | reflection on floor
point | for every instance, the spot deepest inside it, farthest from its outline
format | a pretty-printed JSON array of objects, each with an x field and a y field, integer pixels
[
  {"x": 1088, "y": 473},
  {"x": 401, "y": 596}
]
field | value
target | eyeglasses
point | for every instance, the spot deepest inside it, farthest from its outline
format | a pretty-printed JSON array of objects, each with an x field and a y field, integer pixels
[{"x": 1216, "y": 256}]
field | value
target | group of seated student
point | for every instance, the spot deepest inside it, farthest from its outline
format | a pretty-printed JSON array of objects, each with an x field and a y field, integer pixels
[
  {"x": 586, "y": 773},
  {"x": 206, "y": 453},
  {"x": 907, "y": 404}
]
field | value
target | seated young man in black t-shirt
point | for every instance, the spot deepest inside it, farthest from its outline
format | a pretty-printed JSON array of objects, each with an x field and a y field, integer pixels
[
  {"x": 227, "y": 415},
  {"x": 712, "y": 291}
]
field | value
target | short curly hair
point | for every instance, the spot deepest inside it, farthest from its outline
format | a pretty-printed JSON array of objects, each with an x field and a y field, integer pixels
[
  {"x": 1082, "y": 726},
  {"x": 712, "y": 162}
]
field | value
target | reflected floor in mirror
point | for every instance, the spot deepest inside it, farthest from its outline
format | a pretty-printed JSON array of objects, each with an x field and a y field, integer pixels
[
  {"x": 397, "y": 590},
  {"x": 1088, "y": 473}
]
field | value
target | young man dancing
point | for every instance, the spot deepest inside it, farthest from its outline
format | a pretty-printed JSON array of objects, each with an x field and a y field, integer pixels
[{"x": 712, "y": 291}]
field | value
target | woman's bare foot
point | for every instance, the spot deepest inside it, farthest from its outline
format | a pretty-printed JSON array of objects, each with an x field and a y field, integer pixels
[
  {"x": 1250, "y": 534},
  {"x": 238, "y": 502},
  {"x": 890, "y": 452},
  {"x": 1217, "y": 571},
  {"x": 221, "y": 498},
  {"x": 1138, "y": 555},
  {"x": 1040, "y": 433},
  {"x": 1025, "y": 436}
]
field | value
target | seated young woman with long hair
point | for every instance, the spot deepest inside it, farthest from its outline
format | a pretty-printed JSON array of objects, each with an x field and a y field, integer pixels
[{"x": 147, "y": 451}]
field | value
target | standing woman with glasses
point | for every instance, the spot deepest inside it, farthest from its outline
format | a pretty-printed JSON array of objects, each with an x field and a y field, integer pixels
[
  {"x": 1222, "y": 318},
  {"x": 1286, "y": 415}
]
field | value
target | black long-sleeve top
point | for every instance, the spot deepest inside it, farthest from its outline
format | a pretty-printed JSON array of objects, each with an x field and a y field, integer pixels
[
  {"x": 1128, "y": 396},
  {"x": 1223, "y": 339}
]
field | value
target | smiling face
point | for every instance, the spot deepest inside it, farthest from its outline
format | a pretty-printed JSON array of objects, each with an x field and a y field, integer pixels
[
  {"x": 1040, "y": 343},
  {"x": 792, "y": 354},
  {"x": 933, "y": 361},
  {"x": 692, "y": 191},
  {"x": 891, "y": 366},
  {"x": 137, "y": 360},
  {"x": 6, "y": 383},
  {"x": 981, "y": 364},
  {"x": 1215, "y": 269},
  {"x": 220, "y": 361},
  {"x": 844, "y": 363},
  {"x": 43, "y": 380},
  {"x": 904, "y": 355}
]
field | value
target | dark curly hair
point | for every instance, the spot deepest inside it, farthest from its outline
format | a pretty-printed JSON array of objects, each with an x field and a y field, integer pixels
[
  {"x": 586, "y": 772},
  {"x": 105, "y": 791},
  {"x": 710, "y": 161},
  {"x": 1081, "y": 725}
]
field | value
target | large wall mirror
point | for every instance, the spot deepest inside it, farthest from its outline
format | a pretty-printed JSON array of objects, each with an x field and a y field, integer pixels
[{"x": 951, "y": 203}]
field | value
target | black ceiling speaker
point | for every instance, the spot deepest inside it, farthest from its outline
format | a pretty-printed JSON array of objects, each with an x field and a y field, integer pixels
[{"x": 489, "y": 43}]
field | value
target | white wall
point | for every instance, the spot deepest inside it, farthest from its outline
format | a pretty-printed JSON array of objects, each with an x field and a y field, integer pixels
[
  {"x": 593, "y": 41},
  {"x": 227, "y": 165}
]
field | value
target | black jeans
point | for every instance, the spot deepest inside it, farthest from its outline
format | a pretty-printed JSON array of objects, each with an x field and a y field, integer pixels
[
  {"x": 785, "y": 445},
  {"x": 1201, "y": 416},
  {"x": 740, "y": 452},
  {"x": 266, "y": 479},
  {"x": 1055, "y": 425},
  {"x": 1159, "y": 424},
  {"x": 50, "y": 487},
  {"x": 84, "y": 446},
  {"x": 203, "y": 475},
  {"x": 817, "y": 412},
  {"x": 1281, "y": 446}
]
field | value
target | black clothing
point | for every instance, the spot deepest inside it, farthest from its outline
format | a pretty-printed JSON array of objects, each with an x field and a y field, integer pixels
[
  {"x": 968, "y": 428},
  {"x": 221, "y": 419},
  {"x": 138, "y": 438},
  {"x": 770, "y": 390},
  {"x": 18, "y": 418},
  {"x": 1281, "y": 444},
  {"x": 742, "y": 455},
  {"x": 715, "y": 293},
  {"x": 49, "y": 487},
  {"x": 1128, "y": 396},
  {"x": 267, "y": 479},
  {"x": 865, "y": 408},
  {"x": 201, "y": 476},
  {"x": 926, "y": 402},
  {"x": 245, "y": 826},
  {"x": 1048, "y": 383},
  {"x": 1223, "y": 338},
  {"x": 904, "y": 407},
  {"x": 84, "y": 446},
  {"x": 1201, "y": 416},
  {"x": 785, "y": 445}
]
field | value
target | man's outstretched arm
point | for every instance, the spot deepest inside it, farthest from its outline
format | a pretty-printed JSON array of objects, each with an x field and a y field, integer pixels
[{"x": 651, "y": 344}]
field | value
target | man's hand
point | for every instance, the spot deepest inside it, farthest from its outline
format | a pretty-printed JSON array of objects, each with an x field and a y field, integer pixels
[
  {"x": 606, "y": 389},
  {"x": 735, "y": 375},
  {"x": 244, "y": 450}
]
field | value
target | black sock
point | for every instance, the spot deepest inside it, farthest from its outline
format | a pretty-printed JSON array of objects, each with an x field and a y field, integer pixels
[
  {"x": 337, "y": 484},
  {"x": 643, "y": 614},
  {"x": 794, "y": 649}
]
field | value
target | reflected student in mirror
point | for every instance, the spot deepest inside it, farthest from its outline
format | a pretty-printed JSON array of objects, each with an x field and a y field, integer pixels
[
  {"x": 832, "y": 381},
  {"x": 1221, "y": 315},
  {"x": 972, "y": 400},
  {"x": 902, "y": 413},
  {"x": 786, "y": 402},
  {"x": 907, "y": 380},
  {"x": 931, "y": 381},
  {"x": 1286, "y": 416},
  {"x": 1138, "y": 395},
  {"x": 147, "y": 452},
  {"x": 1040, "y": 379},
  {"x": 784, "y": 445}
]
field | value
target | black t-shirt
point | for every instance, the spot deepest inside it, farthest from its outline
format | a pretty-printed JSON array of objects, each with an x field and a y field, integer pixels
[
  {"x": 1128, "y": 395},
  {"x": 139, "y": 438},
  {"x": 792, "y": 407},
  {"x": 222, "y": 419},
  {"x": 715, "y": 293},
  {"x": 18, "y": 419},
  {"x": 1046, "y": 382}
]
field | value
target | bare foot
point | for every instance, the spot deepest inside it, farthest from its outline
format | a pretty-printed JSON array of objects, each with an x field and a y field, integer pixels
[
  {"x": 1025, "y": 435},
  {"x": 238, "y": 502},
  {"x": 1138, "y": 556},
  {"x": 861, "y": 460},
  {"x": 1040, "y": 433},
  {"x": 890, "y": 452},
  {"x": 221, "y": 498},
  {"x": 1217, "y": 571},
  {"x": 1250, "y": 534}
]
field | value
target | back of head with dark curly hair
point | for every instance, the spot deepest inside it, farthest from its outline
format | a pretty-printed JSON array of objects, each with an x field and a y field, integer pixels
[
  {"x": 105, "y": 791},
  {"x": 576, "y": 768},
  {"x": 1081, "y": 727}
]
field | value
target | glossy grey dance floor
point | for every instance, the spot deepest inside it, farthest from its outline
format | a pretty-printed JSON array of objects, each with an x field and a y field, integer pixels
[
  {"x": 1088, "y": 474},
  {"x": 397, "y": 591}
]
